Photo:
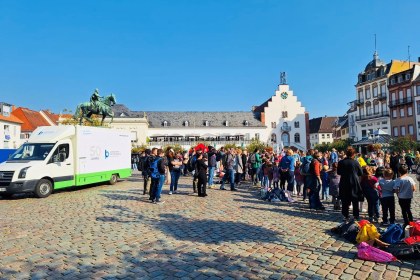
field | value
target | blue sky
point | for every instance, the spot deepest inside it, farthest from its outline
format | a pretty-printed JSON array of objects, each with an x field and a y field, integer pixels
[{"x": 219, "y": 55}]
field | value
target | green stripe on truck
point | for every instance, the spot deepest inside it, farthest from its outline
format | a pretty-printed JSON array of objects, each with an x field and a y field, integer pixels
[{"x": 103, "y": 176}]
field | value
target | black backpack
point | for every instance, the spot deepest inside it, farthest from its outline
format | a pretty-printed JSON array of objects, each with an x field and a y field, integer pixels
[{"x": 191, "y": 163}]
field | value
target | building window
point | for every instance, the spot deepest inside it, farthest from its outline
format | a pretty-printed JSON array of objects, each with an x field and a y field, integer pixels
[
  {"x": 257, "y": 136},
  {"x": 409, "y": 111},
  {"x": 246, "y": 123},
  {"x": 394, "y": 113},
  {"x": 392, "y": 81},
  {"x": 273, "y": 125},
  {"x": 395, "y": 131},
  {"x": 376, "y": 108},
  {"x": 273, "y": 138},
  {"x": 296, "y": 125},
  {"x": 367, "y": 93},
  {"x": 375, "y": 91},
  {"x": 402, "y": 112},
  {"x": 226, "y": 123},
  {"x": 328, "y": 136},
  {"x": 285, "y": 138},
  {"x": 360, "y": 94},
  {"x": 418, "y": 107},
  {"x": 400, "y": 95},
  {"x": 400, "y": 78},
  {"x": 402, "y": 130},
  {"x": 418, "y": 90},
  {"x": 297, "y": 138},
  {"x": 407, "y": 76},
  {"x": 284, "y": 114},
  {"x": 383, "y": 89},
  {"x": 410, "y": 129},
  {"x": 165, "y": 123},
  {"x": 323, "y": 136},
  {"x": 186, "y": 123},
  {"x": 408, "y": 93}
]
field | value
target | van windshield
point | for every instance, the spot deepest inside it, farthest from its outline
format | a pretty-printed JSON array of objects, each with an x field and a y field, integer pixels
[{"x": 32, "y": 151}]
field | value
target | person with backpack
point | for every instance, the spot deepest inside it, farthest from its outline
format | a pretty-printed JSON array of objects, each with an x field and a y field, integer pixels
[
  {"x": 229, "y": 165},
  {"x": 305, "y": 171},
  {"x": 287, "y": 168},
  {"x": 212, "y": 164},
  {"x": 157, "y": 174},
  {"x": 239, "y": 167},
  {"x": 256, "y": 162},
  {"x": 315, "y": 182},
  {"x": 350, "y": 190},
  {"x": 201, "y": 169}
]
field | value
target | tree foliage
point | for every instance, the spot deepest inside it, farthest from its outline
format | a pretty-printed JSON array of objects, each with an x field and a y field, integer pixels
[
  {"x": 403, "y": 144},
  {"x": 339, "y": 145},
  {"x": 256, "y": 144}
]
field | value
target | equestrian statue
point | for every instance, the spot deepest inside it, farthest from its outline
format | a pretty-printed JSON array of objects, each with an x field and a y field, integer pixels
[{"x": 97, "y": 105}]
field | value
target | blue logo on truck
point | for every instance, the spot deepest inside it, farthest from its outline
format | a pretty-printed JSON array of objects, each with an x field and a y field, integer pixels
[{"x": 106, "y": 154}]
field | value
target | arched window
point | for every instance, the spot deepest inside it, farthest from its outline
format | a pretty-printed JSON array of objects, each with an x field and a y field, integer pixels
[
  {"x": 297, "y": 138},
  {"x": 285, "y": 138},
  {"x": 273, "y": 138},
  {"x": 165, "y": 123},
  {"x": 206, "y": 123},
  {"x": 186, "y": 123}
]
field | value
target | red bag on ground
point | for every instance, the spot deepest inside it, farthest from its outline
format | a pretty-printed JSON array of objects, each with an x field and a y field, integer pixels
[
  {"x": 412, "y": 240},
  {"x": 415, "y": 228}
]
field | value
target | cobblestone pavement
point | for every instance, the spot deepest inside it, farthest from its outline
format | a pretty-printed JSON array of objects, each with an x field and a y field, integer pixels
[{"x": 113, "y": 232}]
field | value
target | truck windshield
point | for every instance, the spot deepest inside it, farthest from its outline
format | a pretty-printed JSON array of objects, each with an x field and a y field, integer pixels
[{"x": 32, "y": 151}]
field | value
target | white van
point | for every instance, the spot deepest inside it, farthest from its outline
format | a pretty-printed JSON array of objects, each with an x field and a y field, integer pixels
[{"x": 57, "y": 157}]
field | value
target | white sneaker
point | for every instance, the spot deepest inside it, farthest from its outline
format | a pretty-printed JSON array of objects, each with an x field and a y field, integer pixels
[{"x": 170, "y": 192}]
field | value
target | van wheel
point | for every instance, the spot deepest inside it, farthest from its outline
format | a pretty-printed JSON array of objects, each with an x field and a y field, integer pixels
[
  {"x": 114, "y": 179},
  {"x": 43, "y": 188}
]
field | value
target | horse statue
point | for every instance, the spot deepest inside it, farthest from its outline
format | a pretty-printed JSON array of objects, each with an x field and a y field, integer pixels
[{"x": 100, "y": 107}]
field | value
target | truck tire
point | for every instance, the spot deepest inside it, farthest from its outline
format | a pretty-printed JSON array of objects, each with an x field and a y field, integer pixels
[
  {"x": 114, "y": 179},
  {"x": 44, "y": 188}
]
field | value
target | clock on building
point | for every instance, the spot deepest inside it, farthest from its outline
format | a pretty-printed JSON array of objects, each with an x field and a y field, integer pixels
[{"x": 284, "y": 95}]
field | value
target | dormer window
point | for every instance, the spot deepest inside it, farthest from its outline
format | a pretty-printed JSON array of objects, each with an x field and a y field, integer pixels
[
  {"x": 400, "y": 79},
  {"x": 226, "y": 123},
  {"x": 122, "y": 115},
  {"x": 186, "y": 123},
  {"x": 392, "y": 81},
  {"x": 246, "y": 123},
  {"x": 206, "y": 123},
  {"x": 165, "y": 123},
  {"x": 407, "y": 76}
]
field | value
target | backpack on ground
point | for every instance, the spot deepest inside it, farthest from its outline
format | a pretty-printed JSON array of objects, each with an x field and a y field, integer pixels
[
  {"x": 154, "y": 170},
  {"x": 392, "y": 234},
  {"x": 305, "y": 168},
  {"x": 253, "y": 158},
  {"x": 348, "y": 231},
  {"x": 402, "y": 250}
]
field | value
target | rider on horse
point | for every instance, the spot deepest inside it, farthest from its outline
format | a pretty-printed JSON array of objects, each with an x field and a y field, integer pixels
[{"x": 95, "y": 99}]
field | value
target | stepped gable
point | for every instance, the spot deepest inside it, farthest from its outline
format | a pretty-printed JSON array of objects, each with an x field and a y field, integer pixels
[{"x": 198, "y": 119}]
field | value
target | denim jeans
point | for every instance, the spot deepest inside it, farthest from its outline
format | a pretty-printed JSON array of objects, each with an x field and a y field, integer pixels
[
  {"x": 174, "y": 179},
  {"x": 325, "y": 191},
  {"x": 157, "y": 185},
  {"x": 229, "y": 174},
  {"x": 211, "y": 175},
  {"x": 372, "y": 198}
]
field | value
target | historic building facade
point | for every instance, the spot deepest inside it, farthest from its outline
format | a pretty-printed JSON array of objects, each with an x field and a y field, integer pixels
[
  {"x": 321, "y": 130},
  {"x": 372, "y": 97},
  {"x": 9, "y": 127},
  {"x": 280, "y": 121}
]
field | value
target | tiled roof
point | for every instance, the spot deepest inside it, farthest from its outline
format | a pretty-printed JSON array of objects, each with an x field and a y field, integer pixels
[
  {"x": 195, "y": 119},
  {"x": 314, "y": 125},
  {"x": 10, "y": 118},
  {"x": 31, "y": 119},
  {"x": 53, "y": 117},
  {"x": 327, "y": 124}
]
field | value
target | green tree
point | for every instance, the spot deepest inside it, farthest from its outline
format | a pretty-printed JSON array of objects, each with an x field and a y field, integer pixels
[
  {"x": 229, "y": 146},
  {"x": 402, "y": 143},
  {"x": 256, "y": 144},
  {"x": 341, "y": 145},
  {"x": 323, "y": 147},
  {"x": 177, "y": 148}
]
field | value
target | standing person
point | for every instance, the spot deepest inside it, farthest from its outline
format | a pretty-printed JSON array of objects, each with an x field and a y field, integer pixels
[
  {"x": 333, "y": 182},
  {"x": 405, "y": 186},
  {"x": 305, "y": 172},
  {"x": 315, "y": 183},
  {"x": 350, "y": 190},
  {"x": 276, "y": 173},
  {"x": 148, "y": 158},
  {"x": 229, "y": 165},
  {"x": 409, "y": 160},
  {"x": 239, "y": 167},
  {"x": 186, "y": 157},
  {"x": 325, "y": 182},
  {"x": 212, "y": 163},
  {"x": 394, "y": 163},
  {"x": 255, "y": 161},
  {"x": 299, "y": 179},
  {"x": 245, "y": 164},
  {"x": 201, "y": 168},
  {"x": 387, "y": 199},
  {"x": 333, "y": 156},
  {"x": 158, "y": 170},
  {"x": 370, "y": 187},
  {"x": 287, "y": 167},
  {"x": 174, "y": 165}
]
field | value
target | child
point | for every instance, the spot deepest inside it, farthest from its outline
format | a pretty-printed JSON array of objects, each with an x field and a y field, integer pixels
[
  {"x": 268, "y": 172},
  {"x": 370, "y": 188},
  {"x": 298, "y": 178},
  {"x": 324, "y": 178},
  {"x": 405, "y": 186},
  {"x": 333, "y": 182},
  {"x": 387, "y": 199},
  {"x": 276, "y": 174}
]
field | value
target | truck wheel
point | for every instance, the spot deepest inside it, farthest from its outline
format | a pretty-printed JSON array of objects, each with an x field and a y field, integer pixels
[
  {"x": 114, "y": 179},
  {"x": 43, "y": 188}
]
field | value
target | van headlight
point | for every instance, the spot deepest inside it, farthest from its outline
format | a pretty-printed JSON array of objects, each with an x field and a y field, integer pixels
[{"x": 22, "y": 173}]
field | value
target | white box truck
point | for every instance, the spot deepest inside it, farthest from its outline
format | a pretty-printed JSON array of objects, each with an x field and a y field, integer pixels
[{"x": 57, "y": 157}]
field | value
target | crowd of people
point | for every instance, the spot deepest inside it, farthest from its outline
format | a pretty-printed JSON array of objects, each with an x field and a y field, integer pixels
[{"x": 345, "y": 179}]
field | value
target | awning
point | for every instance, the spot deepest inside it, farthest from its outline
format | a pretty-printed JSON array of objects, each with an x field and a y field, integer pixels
[{"x": 380, "y": 139}]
